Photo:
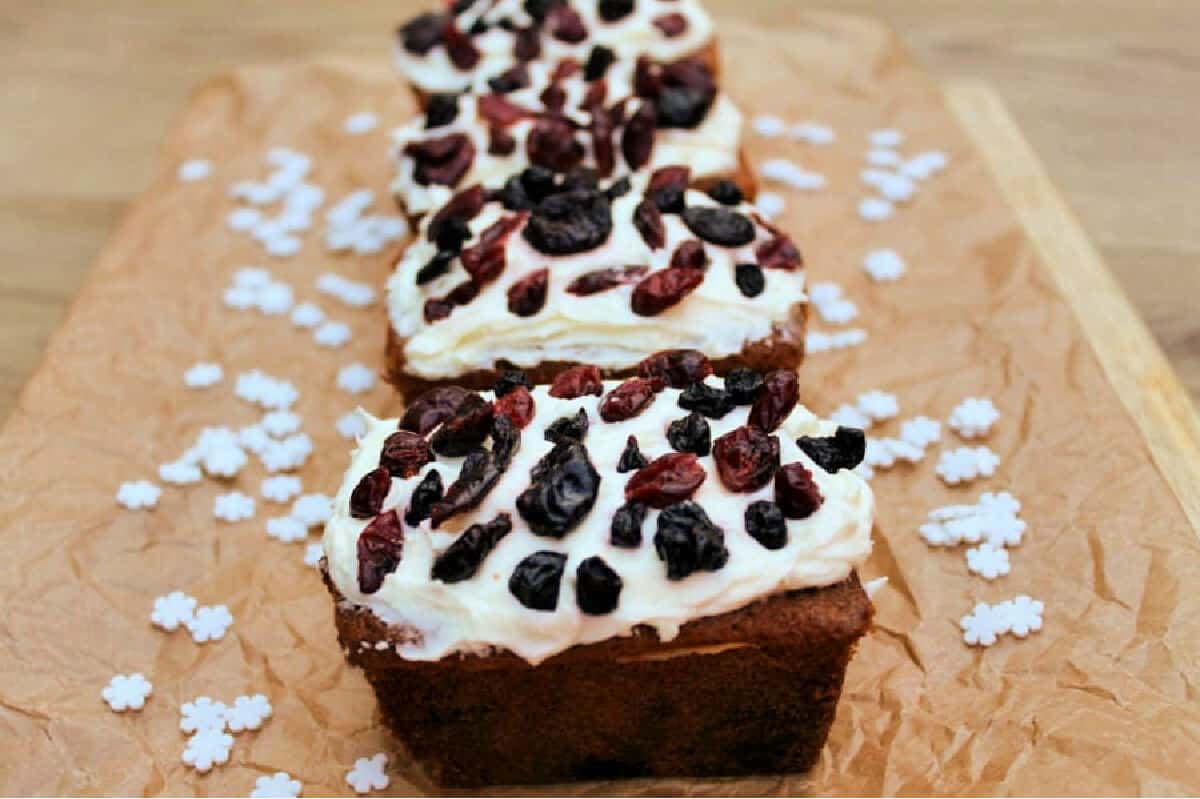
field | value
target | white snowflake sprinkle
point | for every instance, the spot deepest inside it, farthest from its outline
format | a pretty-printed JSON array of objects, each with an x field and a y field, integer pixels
[
  {"x": 820, "y": 341},
  {"x": 279, "y": 785},
  {"x": 207, "y": 748},
  {"x": 352, "y": 425},
  {"x": 884, "y": 266},
  {"x": 313, "y": 509},
  {"x": 265, "y": 391},
  {"x": 307, "y": 315},
  {"x": 1022, "y": 615},
  {"x": 275, "y": 298},
  {"x": 287, "y": 529},
  {"x": 179, "y": 473},
  {"x": 210, "y": 623},
  {"x": 883, "y": 157},
  {"x": 355, "y": 379},
  {"x": 850, "y": 416},
  {"x": 965, "y": 464},
  {"x": 332, "y": 334},
  {"x": 254, "y": 438},
  {"x": 987, "y": 561},
  {"x": 247, "y": 713},
  {"x": 127, "y": 692},
  {"x": 173, "y": 610},
  {"x": 875, "y": 209},
  {"x": 138, "y": 495},
  {"x": 982, "y": 626},
  {"x": 281, "y": 488},
  {"x": 368, "y": 774},
  {"x": 224, "y": 461},
  {"x": 233, "y": 507},
  {"x": 879, "y": 405},
  {"x": 281, "y": 423},
  {"x": 924, "y": 165},
  {"x": 886, "y": 138},
  {"x": 286, "y": 455},
  {"x": 354, "y": 294},
  {"x": 202, "y": 713},
  {"x": 195, "y": 169},
  {"x": 837, "y": 312},
  {"x": 240, "y": 299},
  {"x": 973, "y": 417},
  {"x": 360, "y": 123},
  {"x": 283, "y": 247},
  {"x": 769, "y": 125},
  {"x": 243, "y": 220},
  {"x": 313, "y": 554},
  {"x": 921, "y": 431},
  {"x": 203, "y": 375},
  {"x": 813, "y": 133}
]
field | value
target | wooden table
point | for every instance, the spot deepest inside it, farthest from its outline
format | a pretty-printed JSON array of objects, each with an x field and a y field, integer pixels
[{"x": 1105, "y": 90}]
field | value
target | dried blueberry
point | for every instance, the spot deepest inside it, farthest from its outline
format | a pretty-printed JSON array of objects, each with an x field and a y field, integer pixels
[
  {"x": 366, "y": 500},
  {"x": 466, "y": 429},
  {"x": 527, "y": 44},
  {"x": 709, "y": 400},
  {"x": 510, "y": 80},
  {"x": 600, "y": 280},
  {"x": 648, "y": 221},
  {"x": 510, "y": 380},
  {"x": 517, "y": 405},
  {"x": 688, "y": 541},
  {"x": 432, "y": 408},
  {"x": 779, "y": 395},
  {"x": 404, "y": 454},
  {"x": 750, "y": 279},
  {"x": 442, "y": 161},
  {"x": 668, "y": 188},
  {"x": 629, "y": 398},
  {"x": 576, "y": 382},
  {"x": 570, "y": 222},
  {"x": 562, "y": 492},
  {"x": 424, "y": 497},
  {"x": 380, "y": 547},
  {"x": 668, "y": 479},
  {"x": 513, "y": 195},
  {"x": 686, "y": 90},
  {"x": 422, "y": 33},
  {"x": 598, "y": 62},
  {"x": 690, "y": 434},
  {"x": 442, "y": 109},
  {"x": 551, "y": 143},
  {"x": 451, "y": 234},
  {"x": 613, "y": 10},
  {"x": 795, "y": 492},
  {"x": 580, "y": 178},
  {"x": 843, "y": 450},
  {"x": 568, "y": 428},
  {"x": 461, "y": 208},
  {"x": 743, "y": 385},
  {"x": 538, "y": 9},
  {"x": 678, "y": 368},
  {"x": 766, "y": 525},
  {"x": 466, "y": 553},
  {"x": 746, "y": 458},
  {"x": 637, "y": 140},
  {"x": 664, "y": 289},
  {"x": 475, "y": 480},
  {"x": 626, "y": 530},
  {"x": 536, "y": 580},
  {"x": 671, "y": 25},
  {"x": 632, "y": 458},
  {"x": 478, "y": 27},
  {"x": 506, "y": 441},
  {"x": 438, "y": 265},
  {"x": 726, "y": 192},
  {"x": 597, "y": 587},
  {"x": 528, "y": 295},
  {"x": 619, "y": 188},
  {"x": 459, "y": 6},
  {"x": 719, "y": 225}
]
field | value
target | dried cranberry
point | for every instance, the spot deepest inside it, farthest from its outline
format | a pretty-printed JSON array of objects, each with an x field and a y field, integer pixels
[
  {"x": 538, "y": 9},
  {"x": 726, "y": 192},
  {"x": 603, "y": 152},
  {"x": 746, "y": 459},
  {"x": 597, "y": 587},
  {"x": 442, "y": 161},
  {"x": 570, "y": 222},
  {"x": 478, "y": 476},
  {"x": 510, "y": 80},
  {"x": 442, "y": 109},
  {"x": 422, "y": 33},
  {"x": 500, "y": 141},
  {"x": 568, "y": 428},
  {"x": 663, "y": 289},
  {"x": 647, "y": 77},
  {"x": 462, "y": 51},
  {"x": 689, "y": 255},
  {"x": 667, "y": 188},
  {"x": 576, "y": 382},
  {"x": 743, "y": 385},
  {"x": 637, "y": 140},
  {"x": 554, "y": 98},
  {"x": 380, "y": 547},
  {"x": 598, "y": 62},
  {"x": 536, "y": 580},
  {"x": 629, "y": 399},
  {"x": 437, "y": 308},
  {"x": 466, "y": 429},
  {"x": 499, "y": 110},
  {"x": 795, "y": 492},
  {"x": 670, "y": 478},
  {"x": 719, "y": 225},
  {"x": 843, "y": 450},
  {"x": 778, "y": 253},
  {"x": 671, "y": 25},
  {"x": 462, "y": 559},
  {"x": 779, "y": 395},
  {"x": 708, "y": 400},
  {"x": 649, "y": 223},
  {"x": 631, "y": 458},
  {"x": 516, "y": 405},
  {"x": 613, "y": 10},
  {"x": 366, "y": 500},
  {"x": 527, "y": 44},
  {"x": 566, "y": 25},
  {"x": 485, "y": 260},
  {"x": 562, "y": 492},
  {"x": 600, "y": 280},
  {"x": 690, "y": 434},
  {"x": 432, "y": 408},
  {"x": 679, "y": 368},
  {"x": 766, "y": 525},
  {"x": 750, "y": 280},
  {"x": 593, "y": 102},
  {"x": 626, "y": 530},
  {"x": 404, "y": 454},
  {"x": 459, "y": 6},
  {"x": 688, "y": 541},
  {"x": 461, "y": 208},
  {"x": 424, "y": 497},
  {"x": 511, "y": 380},
  {"x": 527, "y": 296},
  {"x": 551, "y": 143}
]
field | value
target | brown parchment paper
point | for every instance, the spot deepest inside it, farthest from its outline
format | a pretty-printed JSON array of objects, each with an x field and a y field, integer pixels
[{"x": 1103, "y": 700}]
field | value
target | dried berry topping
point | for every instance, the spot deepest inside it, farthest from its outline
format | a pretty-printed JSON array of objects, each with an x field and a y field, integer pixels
[
  {"x": 566, "y": 25},
  {"x": 510, "y": 80},
  {"x": 598, "y": 62},
  {"x": 719, "y": 225},
  {"x": 511, "y": 379},
  {"x": 441, "y": 109},
  {"x": 500, "y": 141},
  {"x": 663, "y": 289},
  {"x": 649, "y": 222},
  {"x": 600, "y": 280},
  {"x": 438, "y": 265},
  {"x": 629, "y": 399},
  {"x": 746, "y": 459},
  {"x": 442, "y": 161},
  {"x": 424, "y": 497},
  {"x": 431, "y": 408},
  {"x": 527, "y": 44},
  {"x": 459, "y": 6},
  {"x": 626, "y": 530},
  {"x": 538, "y": 9},
  {"x": 562, "y": 491},
  {"x": 475, "y": 480},
  {"x": 670, "y": 478},
  {"x": 498, "y": 110},
  {"x": 478, "y": 27},
  {"x": 517, "y": 405},
  {"x": 462, "y": 51},
  {"x": 613, "y": 10},
  {"x": 726, "y": 192},
  {"x": 688, "y": 541},
  {"x": 580, "y": 178},
  {"x": 679, "y": 368},
  {"x": 671, "y": 25},
  {"x": 466, "y": 429},
  {"x": 631, "y": 458},
  {"x": 451, "y": 234},
  {"x": 528, "y": 295},
  {"x": 597, "y": 587},
  {"x": 437, "y": 308},
  {"x": 690, "y": 434},
  {"x": 795, "y": 492},
  {"x": 460, "y": 209},
  {"x": 568, "y": 428},
  {"x": 380, "y": 547},
  {"x": 422, "y": 33},
  {"x": 843, "y": 450},
  {"x": 536, "y": 580},
  {"x": 689, "y": 255},
  {"x": 506, "y": 439},
  {"x": 647, "y": 77},
  {"x": 577, "y": 381},
  {"x": 743, "y": 385},
  {"x": 564, "y": 69},
  {"x": 522, "y": 192},
  {"x": 766, "y": 525},
  {"x": 554, "y": 98},
  {"x": 485, "y": 260},
  {"x": 684, "y": 93},
  {"x": 750, "y": 280},
  {"x": 778, "y": 253},
  {"x": 779, "y": 395},
  {"x": 637, "y": 140},
  {"x": 462, "y": 559},
  {"x": 709, "y": 400},
  {"x": 570, "y": 222},
  {"x": 366, "y": 500},
  {"x": 603, "y": 125},
  {"x": 404, "y": 454},
  {"x": 668, "y": 186},
  {"x": 618, "y": 188}
]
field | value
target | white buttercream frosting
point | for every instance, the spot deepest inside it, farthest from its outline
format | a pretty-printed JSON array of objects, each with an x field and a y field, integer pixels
[
  {"x": 601, "y": 329},
  {"x": 481, "y": 615}
]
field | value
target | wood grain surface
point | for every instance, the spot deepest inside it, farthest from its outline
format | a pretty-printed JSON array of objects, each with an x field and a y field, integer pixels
[{"x": 1104, "y": 90}]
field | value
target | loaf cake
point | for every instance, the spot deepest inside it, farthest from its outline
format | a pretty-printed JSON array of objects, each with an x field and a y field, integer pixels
[
  {"x": 554, "y": 270},
  {"x": 601, "y": 579}
]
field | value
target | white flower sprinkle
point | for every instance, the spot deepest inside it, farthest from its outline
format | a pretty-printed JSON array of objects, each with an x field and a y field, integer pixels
[
  {"x": 879, "y": 405},
  {"x": 368, "y": 774},
  {"x": 884, "y": 266},
  {"x": 813, "y": 133},
  {"x": 194, "y": 170},
  {"x": 207, "y": 748},
  {"x": 243, "y": 220},
  {"x": 965, "y": 464},
  {"x": 332, "y": 334},
  {"x": 769, "y": 125},
  {"x": 138, "y": 495},
  {"x": 281, "y": 423},
  {"x": 987, "y": 561},
  {"x": 233, "y": 507},
  {"x": 973, "y": 417},
  {"x": 210, "y": 623},
  {"x": 279, "y": 785},
  {"x": 307, "y": 315},
  {"x": 886, "y": 138},
  {"x": 355, "y": 379},
  {"x": 351, "y": 425},
  {"x": 173, "y": 610},
  {"x": 312, "y": 509},
  {"x": 248, "y": 713},
  {"x": 875, "y": 209},
  {"x": 770, "y": 204},
  {"x": 127, "y": 692},
  {"x": 360, "y": 123},
  {"x": 180, "y": 473},
  {"x": 287, "y": 529},
  {"x": 313, "y": 554}
]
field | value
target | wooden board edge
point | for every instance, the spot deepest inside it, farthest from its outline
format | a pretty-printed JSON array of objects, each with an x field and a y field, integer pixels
[{"x": 1128, "y": 353}]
